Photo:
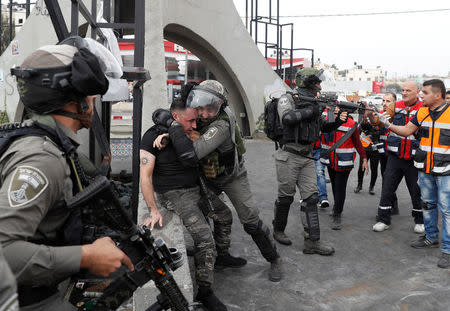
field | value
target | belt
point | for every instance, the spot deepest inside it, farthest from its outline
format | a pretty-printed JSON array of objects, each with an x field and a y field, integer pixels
[
  {"x": 29, "y": 295},
  {"x": 292, "y": 150}
]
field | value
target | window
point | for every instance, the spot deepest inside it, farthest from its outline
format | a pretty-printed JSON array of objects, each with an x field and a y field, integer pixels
[{"x": 20, "y": 20}]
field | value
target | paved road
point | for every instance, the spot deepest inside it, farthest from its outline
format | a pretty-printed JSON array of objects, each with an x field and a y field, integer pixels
[{"x": 370, "y": 271}]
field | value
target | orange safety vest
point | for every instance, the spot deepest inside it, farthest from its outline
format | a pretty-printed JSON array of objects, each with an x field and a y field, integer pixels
[
  {"x": 365, "y": 140},
  {"x": 433, "y": 154}
]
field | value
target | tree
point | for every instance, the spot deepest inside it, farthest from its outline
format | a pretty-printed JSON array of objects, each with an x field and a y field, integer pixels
[{"x": 4, "y": 33}]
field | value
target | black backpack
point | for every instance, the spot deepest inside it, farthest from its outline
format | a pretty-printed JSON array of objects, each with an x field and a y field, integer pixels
[{"x": 272, "y": 125}]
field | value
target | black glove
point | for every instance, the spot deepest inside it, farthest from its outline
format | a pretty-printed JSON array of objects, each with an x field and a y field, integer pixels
[
  {"x": 162, "y": 117},
  {"x": 316, "y": 111}
]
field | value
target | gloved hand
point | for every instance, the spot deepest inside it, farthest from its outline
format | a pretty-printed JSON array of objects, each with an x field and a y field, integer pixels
[
  {"x": 162, "y": 117},
  {"x": 384, "y": 118},
  {"x": 316, "y": 111}
]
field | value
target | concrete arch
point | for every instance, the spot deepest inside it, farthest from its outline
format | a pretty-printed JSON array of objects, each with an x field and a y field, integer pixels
[
  {"x": 217, "y": 64},
  {"x": 212, "y": 30}
]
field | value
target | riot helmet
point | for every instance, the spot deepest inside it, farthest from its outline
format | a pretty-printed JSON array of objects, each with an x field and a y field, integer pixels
[
  {"x": 55, "y": 75},
  {"x": 208, "y": 98},
  {"x": 309, "y": 78}
]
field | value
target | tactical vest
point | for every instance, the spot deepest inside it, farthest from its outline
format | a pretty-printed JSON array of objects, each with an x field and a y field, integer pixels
[
  {"x": 218, "y": 162},
  {"x": 433, "y": 154},
  {"x": 402, "y": 147},
  {"x": 306, "y": 131},
  {"x": 72, "y": 231},
  {"x": 343, "y": 157}
]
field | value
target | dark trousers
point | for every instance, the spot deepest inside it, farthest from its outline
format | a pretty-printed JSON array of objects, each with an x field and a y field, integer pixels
[
  {"x": 395, "y": 170},
  {"x": 373, "y": 159},
  {"x": 383, "y": 163},
  {"x": 339, "y": 185}
]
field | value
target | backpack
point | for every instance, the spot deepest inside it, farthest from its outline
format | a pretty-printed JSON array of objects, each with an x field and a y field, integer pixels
[{"x": 272, "y": 125}]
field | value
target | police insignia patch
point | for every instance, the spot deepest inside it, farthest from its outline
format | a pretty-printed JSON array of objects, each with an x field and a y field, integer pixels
[
  {"x": 210, "y": 133},
  {"x": 26, "y": 185}
]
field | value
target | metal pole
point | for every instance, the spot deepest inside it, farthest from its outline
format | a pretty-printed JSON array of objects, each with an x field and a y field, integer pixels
[
  {"x": 256, "y": 22},
  {"x": 94, "y": 17},
  {"x": 74, "y": 18},
  {"x": 107, "y": 10},
  {"x": 27, "y": 12},
  {"x": 312, "y": 58},
  {"x": 265, "y": 43},
  {"x": 270, "y": 11},
  {"x": 292, "y": 55},
  {"x": 246, "y": 14},
  {"x": 281, "y": 50},
  {"x": 278, "y": 36},
  {"x": 139, "y": 37}
]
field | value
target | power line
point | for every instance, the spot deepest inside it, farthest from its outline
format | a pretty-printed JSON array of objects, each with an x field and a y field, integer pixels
[{"x": 364, "y": 14}]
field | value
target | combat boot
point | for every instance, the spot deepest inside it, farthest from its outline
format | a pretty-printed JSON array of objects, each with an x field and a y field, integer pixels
[
  {"x": 281, "y": 237},
  {"x": 229, "y": 261},
  {"x": 275, "y": 273},
  {"x": 206, "y": 296},
  {"x": 316, "y": 247}
]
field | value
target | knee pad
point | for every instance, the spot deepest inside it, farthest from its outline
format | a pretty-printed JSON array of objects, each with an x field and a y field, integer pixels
[
  {"x": 312, "y": 199},
  {"x": 284, "y": 201}
]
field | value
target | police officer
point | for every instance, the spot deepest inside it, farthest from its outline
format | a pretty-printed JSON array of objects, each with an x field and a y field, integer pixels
[
  {"x": 220, "y": 149},
  {"x": 175, "y": 184},
  {"x": 40, "y": 171},
  {"x": 8, "y": 288},
  {"x": 302, "y": 124}
]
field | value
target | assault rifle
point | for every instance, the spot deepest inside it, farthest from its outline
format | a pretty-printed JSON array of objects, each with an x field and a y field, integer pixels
[
  {"x": 331, "y": 100},
  {"x": 152, "y": 259}
]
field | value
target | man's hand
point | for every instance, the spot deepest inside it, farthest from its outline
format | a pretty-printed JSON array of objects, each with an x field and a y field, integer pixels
[
  {"x": 365, "y": 167},
  {"x": 343, "y": 115},
  {"x": 161, "y": 141},
  {"x": 154, "y": 218},
  {"x": 384, "y": 118},
  {"x": 103, "y": 257},
  {"x": 162, "y": 117},
  {"x": 194, "y": 135}
]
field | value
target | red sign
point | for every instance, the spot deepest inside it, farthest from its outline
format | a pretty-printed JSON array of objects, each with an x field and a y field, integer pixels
[
  {"x": 377, "y": 87},
  {"x": 168, "y": 47}
]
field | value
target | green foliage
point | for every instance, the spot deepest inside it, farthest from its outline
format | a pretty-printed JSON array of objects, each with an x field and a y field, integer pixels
[
  {"x": 4, "y": 32},
  {"x": 3, "y": 114}
]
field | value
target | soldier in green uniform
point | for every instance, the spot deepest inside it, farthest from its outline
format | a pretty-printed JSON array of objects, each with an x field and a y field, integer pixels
[
  {"x": 40, "y": 172},
  {"x": 8, "y": 288},
  {"x": 220, "y": 149}
]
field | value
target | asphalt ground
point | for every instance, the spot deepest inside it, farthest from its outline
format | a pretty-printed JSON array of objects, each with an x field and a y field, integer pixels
[{"x": 369, "y": 271}]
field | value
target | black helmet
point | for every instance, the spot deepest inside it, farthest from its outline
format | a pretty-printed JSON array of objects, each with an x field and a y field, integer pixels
[{"x": 308, "y": 78}]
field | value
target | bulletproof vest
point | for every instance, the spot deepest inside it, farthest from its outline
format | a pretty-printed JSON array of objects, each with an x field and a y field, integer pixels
[
  {"x": 72, "y": 231},
  {"x": 306, "y": 131},
  {"x": 224, "y": 161}
]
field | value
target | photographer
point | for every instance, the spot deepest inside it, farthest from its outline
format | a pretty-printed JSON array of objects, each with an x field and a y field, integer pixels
[
  {"x": 302, "y": 124},
  {"x": 40, "y": 171}
]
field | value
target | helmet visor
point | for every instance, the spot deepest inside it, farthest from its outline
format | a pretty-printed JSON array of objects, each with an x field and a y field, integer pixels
[{"x": 207, "y": 102}]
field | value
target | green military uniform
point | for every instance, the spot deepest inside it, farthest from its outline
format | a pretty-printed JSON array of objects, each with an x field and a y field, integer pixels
[
  {"x": 216, "y": 139},
  {"x": 35, "y": 182},
  {"x": 8, "y": 289}
]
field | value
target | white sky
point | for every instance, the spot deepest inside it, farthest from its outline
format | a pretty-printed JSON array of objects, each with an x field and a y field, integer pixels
[{"x": 402, "y": 44}]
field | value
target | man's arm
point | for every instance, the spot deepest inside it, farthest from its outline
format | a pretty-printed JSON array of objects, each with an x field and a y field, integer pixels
[
  {"x": 148, "y": 161},
  {"x": 189, "y": 152},
  {"x": 406, "y": 130},
  {"x": 375, "y": 120}
]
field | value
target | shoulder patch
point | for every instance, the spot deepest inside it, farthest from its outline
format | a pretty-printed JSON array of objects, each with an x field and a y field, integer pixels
[
  {"x": 210, "y": 133},
  {"x": 26, "y": 185}
]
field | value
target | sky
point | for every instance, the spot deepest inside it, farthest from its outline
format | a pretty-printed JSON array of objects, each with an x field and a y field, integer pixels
[{"x": 402, "y": 44}]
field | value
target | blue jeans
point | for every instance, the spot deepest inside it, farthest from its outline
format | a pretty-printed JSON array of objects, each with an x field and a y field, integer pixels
[
  {"x": 320, "y": 173},
  {"x": 435, "y": 191}
]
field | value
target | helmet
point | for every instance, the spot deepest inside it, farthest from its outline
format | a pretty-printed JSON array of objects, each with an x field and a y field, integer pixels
[
  {"x": 209, "y": 95},
  {"x": 54, "y": 75},
  {"x": 308, "y": 78}
]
